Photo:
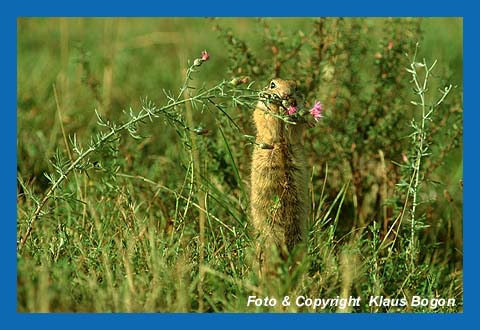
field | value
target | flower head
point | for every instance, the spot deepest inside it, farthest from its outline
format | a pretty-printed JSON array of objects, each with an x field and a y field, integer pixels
[
  {"x": 316, "y": 111},
  {"x": 292, "y": 110},
  {"x": 200, "y": 60},
  {"x": 205, "y": 55}
]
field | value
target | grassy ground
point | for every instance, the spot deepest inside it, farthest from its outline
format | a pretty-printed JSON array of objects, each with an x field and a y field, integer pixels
[{"x": 160, "y": 222}]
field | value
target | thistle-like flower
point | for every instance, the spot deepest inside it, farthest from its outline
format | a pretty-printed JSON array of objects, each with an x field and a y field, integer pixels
[
  {"x": 205, "y": 55},
  {"x": 316, "y": 111}
]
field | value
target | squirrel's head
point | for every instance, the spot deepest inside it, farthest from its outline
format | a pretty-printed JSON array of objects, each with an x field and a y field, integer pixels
[
  {"x": 280, "y": 92},
  {"x": 284, "y": 89}
]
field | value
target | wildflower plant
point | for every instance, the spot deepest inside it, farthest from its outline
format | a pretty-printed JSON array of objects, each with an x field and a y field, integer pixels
[{"x": 413, "y": 177}]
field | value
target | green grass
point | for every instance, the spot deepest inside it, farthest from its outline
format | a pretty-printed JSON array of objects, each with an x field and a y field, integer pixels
[{"x": 161, "y": 223}]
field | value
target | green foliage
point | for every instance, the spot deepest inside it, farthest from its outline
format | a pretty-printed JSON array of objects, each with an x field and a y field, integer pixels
[{"x": 134, "y": 160}]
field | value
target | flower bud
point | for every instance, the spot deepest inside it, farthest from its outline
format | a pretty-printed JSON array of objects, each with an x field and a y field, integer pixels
[
  {"x": 235, "y": 81},
  {"x": 205, "y": 55}
]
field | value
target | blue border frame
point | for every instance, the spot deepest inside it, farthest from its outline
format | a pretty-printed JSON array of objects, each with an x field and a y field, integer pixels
[{"x": 248, "y": 8}]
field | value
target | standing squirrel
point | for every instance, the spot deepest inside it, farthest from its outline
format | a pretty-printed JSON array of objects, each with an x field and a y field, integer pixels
[{"x": 279, "y": 183}]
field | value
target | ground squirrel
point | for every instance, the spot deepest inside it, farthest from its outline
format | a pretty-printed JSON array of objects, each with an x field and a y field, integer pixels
[{"x": 278, "y": 172}]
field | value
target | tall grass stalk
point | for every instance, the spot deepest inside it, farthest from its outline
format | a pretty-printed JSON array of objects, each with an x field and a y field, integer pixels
[
  {"x": 198, "y": 174},
  {"x": 421, "y": 73}
]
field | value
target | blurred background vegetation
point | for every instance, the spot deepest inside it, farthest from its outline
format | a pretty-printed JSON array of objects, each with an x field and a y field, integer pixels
[{"x": 68, "y": 67}]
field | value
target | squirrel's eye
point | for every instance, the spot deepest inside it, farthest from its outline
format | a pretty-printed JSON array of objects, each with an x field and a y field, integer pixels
[{"x": 272, "y": 85}]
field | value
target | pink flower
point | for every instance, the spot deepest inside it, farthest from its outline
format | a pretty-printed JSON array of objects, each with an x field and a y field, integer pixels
[
  {"x": 205, "y": 55},
  {"x": 317, "y": 110},
  {"x": 292, "y": 110}
]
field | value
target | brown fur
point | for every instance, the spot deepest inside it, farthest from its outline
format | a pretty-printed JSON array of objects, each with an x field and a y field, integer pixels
[{"x": 278, "y": 176}]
